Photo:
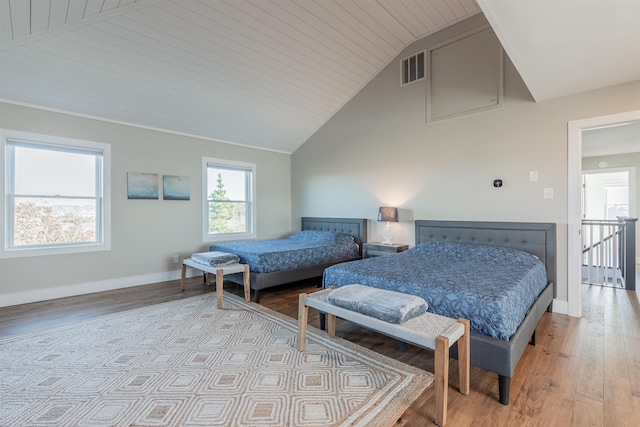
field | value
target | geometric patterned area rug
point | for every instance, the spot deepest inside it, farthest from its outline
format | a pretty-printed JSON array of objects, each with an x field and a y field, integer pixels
[{"x": 186, "y": 363}]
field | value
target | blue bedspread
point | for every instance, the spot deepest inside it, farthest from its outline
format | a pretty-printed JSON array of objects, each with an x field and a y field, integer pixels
[
  {"x": 298, "y": 250},
  {"x": 491, "y": 286}
]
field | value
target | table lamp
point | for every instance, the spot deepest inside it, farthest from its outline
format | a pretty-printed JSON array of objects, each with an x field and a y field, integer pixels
[{"x": 387, "y": 214}]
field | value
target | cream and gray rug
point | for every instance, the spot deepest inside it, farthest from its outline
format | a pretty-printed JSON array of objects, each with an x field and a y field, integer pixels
[{"x": 186, "y": 363}]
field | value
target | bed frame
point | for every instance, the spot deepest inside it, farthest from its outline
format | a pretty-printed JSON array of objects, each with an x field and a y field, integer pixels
[
  {"x": 539, "y": 239},
  {"x": 355, "y": 227}
]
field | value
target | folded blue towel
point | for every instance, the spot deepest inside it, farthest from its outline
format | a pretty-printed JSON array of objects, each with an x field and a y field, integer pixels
[
  {"x": 215, "y": 259},
  {"x": 388, "y": 306}
]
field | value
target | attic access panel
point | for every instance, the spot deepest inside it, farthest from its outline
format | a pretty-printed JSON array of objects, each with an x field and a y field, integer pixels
[{"x": 465, "y": 76}]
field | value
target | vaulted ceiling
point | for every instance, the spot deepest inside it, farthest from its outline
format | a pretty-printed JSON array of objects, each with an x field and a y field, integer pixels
[{"x": 260, "y": 73}]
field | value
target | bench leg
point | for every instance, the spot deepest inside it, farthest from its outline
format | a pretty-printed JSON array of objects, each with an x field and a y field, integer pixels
[
  {"x": 303, "y": 316},
  {"x": 184, "y": 276},
  {"x": 247, "y": 283},
  {"x": 464, "y": 356},
  {"x": 331, "y": 325},
  {"x": 219, "y": 286},
  {"x": 441, "y": 362}
]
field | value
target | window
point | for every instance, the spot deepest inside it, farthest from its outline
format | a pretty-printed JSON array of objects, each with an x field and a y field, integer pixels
[
  {"x": 412, "y": 68},
  {"x": 617, "y": 201},
  {"x": 229, "y": 208},
  {"x": 56, "y": 195},
  {"x": 608, "y": 193}
]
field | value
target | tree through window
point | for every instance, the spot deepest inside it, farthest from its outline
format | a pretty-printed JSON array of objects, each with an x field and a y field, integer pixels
[{"x": 229, "y": 196}]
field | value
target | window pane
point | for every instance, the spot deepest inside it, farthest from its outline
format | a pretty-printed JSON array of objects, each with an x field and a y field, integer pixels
[
  {"x": 617, "y": 197},
  {"x": 48, "y": 173},
  {"x": 54, "y": 221},
  {"x": 412, "y": 68},
  {"x": 225, "y": 184},
  {"x": 421, "y": 65},
  {"x": 227, "y": 217},
  {"x": 405, "y": 71}
]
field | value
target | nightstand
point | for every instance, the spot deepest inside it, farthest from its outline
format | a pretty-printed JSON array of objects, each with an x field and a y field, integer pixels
[{"x": 378, "y": 249}]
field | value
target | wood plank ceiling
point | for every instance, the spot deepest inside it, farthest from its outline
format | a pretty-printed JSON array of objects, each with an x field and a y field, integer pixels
[{"x": 260, "y": 73}]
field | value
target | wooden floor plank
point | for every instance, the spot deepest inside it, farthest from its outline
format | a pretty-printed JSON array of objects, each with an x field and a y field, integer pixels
[
  {"x": 618, "y": 403},
  {"x": 574, "y": 335},
  {"x": 591, "y": 371},
  {"x": 528, "y": 405},
  {"x": 587, "y": 413},
  {"x": 482, "y": 408},
  {"x": 634, "y": 375},
  {"x": 636, "y": 407},
  {"x": 561, "y": 395},
  {"x": 615, "y": 357}
]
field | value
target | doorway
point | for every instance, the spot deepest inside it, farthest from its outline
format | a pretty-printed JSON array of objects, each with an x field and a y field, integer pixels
[
  {"x": 606, "y": 197},
  {"x": 576, "y": 130}
]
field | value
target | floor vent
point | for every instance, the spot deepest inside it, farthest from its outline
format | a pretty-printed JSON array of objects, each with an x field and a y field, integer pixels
[{"x": 412, "y": 68}]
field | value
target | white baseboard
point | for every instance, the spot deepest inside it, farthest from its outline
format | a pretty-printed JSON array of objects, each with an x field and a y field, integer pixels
[
  {"x": 560, "y": 306},
  {"x": 45, "y": 294}
]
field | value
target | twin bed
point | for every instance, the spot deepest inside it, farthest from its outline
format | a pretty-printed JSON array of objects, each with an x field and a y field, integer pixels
[
  {"x": 321, "y": 243},
  {"x": 501, "y": 276}
]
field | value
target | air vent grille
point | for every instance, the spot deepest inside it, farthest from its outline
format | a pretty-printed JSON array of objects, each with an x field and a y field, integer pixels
[{"x": 412, "y": 68}]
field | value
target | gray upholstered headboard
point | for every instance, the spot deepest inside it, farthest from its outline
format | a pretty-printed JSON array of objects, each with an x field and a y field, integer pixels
[
  {"x": 538, "y": 239},
  {"x": 355, "y": 227}
]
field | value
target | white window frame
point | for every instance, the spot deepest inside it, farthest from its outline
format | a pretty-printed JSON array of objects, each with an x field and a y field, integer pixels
[
  {"x": 103, "y": 242},
  {"x": 250, "y": 194}
]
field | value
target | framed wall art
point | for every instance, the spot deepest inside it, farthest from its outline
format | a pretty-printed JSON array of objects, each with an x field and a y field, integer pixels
[
  {"x": 176, "y": 187},
  {"x": 142, "y": 186}
]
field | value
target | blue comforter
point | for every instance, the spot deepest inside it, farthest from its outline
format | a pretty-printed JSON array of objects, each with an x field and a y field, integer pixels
[
  {"x": 493, "y": 287},
  {"x": 298, "y": 250}
]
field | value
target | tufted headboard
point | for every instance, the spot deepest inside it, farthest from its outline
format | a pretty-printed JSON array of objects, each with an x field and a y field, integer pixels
[
  {"x": 355, "y": 227},
  {"x": 538, "y": 239}
]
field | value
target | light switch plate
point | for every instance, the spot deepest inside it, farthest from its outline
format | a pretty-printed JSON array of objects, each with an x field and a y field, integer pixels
[
  {"x": 548, "y": 193},
  {"x": 533, "y": 176}
]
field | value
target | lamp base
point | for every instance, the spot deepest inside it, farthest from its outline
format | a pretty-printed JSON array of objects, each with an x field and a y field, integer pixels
[{"x": 386, "y": 235}]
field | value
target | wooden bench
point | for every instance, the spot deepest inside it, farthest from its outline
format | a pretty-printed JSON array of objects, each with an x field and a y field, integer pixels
[
  {"x": 219, "y": 272},
  {"x": 430, "y": 331}
]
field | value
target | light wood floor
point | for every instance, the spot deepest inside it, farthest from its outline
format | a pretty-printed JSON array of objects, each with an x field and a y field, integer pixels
[{"x": 582, "y": 372}]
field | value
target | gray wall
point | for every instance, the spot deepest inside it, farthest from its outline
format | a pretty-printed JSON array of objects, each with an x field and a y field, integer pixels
[
  {"x": 377, "y": 150},
  {"x": 145, "y": 234}
]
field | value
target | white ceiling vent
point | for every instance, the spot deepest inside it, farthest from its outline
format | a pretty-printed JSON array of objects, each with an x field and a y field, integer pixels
[{"x": 412, "y": 69}]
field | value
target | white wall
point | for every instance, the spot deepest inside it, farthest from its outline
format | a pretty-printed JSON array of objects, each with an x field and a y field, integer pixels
[
  {"x": 377, "y": 150},
  {"x": 145, "y": 233}
]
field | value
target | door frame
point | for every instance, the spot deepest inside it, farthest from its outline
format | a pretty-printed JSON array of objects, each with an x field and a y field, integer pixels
[{"x": 574, "y": 209}]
